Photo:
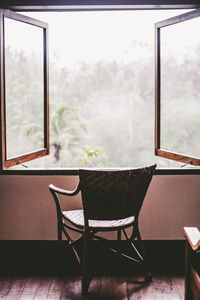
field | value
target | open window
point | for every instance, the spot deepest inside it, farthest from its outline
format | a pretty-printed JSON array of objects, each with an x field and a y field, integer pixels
[
  {"x": 85, "y": 88},
  {"x": 24, "y": 103},
  {"x": 177, "y": 132}
]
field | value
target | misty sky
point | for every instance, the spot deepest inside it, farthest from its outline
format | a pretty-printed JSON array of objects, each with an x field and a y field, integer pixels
[{"x": 91, "y": 36}]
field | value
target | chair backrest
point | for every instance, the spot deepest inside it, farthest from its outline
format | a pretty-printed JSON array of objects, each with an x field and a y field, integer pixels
[{"x": 111, "y": 195}]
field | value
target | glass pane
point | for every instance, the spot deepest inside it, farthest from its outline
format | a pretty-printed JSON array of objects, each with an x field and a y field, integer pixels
[
  {"x": 101, "y": 88},
  {"x": 180, "y": 89},
  {"x": 24, "y": 87}
]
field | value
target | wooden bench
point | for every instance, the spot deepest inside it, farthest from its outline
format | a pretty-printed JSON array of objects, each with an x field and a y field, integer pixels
[{"x": 192, "y": 263}]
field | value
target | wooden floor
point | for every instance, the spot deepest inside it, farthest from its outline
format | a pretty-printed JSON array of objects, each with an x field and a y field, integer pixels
[{"x": 108, "y": 288}]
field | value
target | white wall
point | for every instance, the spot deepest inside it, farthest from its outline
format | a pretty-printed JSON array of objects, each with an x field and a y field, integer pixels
[{"x": 27, "y": 210}]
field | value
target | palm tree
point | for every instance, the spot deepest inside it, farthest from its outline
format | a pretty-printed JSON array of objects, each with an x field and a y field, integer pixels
[{"x": 67, "y": 129}]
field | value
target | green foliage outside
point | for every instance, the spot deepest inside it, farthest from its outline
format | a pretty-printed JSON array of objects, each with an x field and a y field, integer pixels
[
  {"x": 89, "y": 157},
  {"x": 108, "y": 106}
]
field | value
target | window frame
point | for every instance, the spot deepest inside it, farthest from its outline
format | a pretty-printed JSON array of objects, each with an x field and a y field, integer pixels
[
  {"x": 60, "y": 5},
  {"x": 6, "y": 163},
  {"x": 187, "y": 159}
]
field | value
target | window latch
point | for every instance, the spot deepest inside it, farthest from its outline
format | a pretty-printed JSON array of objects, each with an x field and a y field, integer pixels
[
  {"x": 188, "y": 163},
  {"x": 19, "y": 163}
]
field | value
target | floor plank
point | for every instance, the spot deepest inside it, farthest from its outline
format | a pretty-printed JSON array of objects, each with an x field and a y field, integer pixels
[
  {"x": 31, "y": 285},
  {"x": 42, "y": 289},
  {"x": 101, "y": 288},
  {"x": 180, "y": 285},
  {"x": 16, "y": 289},
  {"x": 5, "y": 286},
  {"x": 55, "y": 289}
]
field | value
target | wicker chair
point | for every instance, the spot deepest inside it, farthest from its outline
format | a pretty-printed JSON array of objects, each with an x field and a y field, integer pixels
[{"x": 111, "y": 200}]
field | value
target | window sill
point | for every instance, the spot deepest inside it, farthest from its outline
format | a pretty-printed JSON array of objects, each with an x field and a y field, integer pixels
[{"x": 71, "y": 171}]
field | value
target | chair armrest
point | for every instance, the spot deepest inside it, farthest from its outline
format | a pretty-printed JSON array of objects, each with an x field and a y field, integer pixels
[
  {"x": 192, "y": 235},
  {"x": 57, "y": 190}
]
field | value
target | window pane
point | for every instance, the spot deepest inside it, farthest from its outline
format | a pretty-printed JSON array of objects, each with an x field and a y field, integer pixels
[
  {"x": 24, "y": 87},
  {"x": 180, "y": 89},
  {"x": 101, "y": 88}
]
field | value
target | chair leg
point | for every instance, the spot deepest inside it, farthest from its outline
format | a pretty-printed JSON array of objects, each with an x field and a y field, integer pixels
[
  {"x": 85, "y": 285},
  {"x": 85, "y": 281},
  {"x": 70, "y": 243},
  {"x": 59, "y": 231},
  {"x": 147, "y": 270},
  {"x": 119, "y": 234}
]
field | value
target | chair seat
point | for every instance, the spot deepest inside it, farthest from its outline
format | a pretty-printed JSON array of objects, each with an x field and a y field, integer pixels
[{"x": 76, "y": 217}]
